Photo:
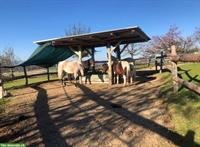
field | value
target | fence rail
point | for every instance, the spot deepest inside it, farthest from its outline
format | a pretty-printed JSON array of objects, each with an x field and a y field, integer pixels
[
  {"x": 177, "y": 82},
  {"x": 28, "y": 76}
]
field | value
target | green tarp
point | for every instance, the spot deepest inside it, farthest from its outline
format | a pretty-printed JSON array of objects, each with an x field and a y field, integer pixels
[{"x": 47, "y": 55}]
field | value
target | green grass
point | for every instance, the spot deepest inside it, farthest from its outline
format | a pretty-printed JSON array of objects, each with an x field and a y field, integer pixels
[
  {"x": 191, "y": 71},
  {"x": 21, "y": 82},
  {"x": 184, "y": 106},
  {"x": 3, "y": 102}
]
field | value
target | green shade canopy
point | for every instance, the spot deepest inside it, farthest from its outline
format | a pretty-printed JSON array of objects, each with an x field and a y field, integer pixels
[{"x": 47, "y": 55}]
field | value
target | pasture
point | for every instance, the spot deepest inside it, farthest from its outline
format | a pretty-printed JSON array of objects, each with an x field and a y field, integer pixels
[{"x": 184, "y": 106}]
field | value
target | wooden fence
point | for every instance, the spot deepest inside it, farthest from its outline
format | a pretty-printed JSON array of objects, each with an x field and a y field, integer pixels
[
  {"x": 177, "y": 81},
  {"x": 24, "y": 76}
]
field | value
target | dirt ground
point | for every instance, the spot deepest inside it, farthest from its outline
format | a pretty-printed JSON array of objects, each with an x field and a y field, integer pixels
[{"x": 90, "y": 115}]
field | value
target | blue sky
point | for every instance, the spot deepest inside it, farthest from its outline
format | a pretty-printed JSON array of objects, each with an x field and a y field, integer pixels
[{"x": 25, "y": 21}]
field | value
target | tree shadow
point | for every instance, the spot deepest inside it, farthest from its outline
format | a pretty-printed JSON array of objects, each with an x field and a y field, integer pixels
[
  {"x": 141, "y": 121},
  {"x": 49, "y": 132},
  {"x": 186, "y": 72}
]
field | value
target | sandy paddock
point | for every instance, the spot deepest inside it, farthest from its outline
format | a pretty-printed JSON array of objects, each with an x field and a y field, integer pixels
[{"x": 90, "y": 115}]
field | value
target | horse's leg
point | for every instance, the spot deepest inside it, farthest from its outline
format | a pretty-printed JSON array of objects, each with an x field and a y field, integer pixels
[
  {"x": 133, "y": 75},
  {"x": 90, "y": 78},
  {"x": 117, "y": 79},
  {"x": 75, "y": 78},
  {"x": 85, "y": 79},
  {"x": 124, "y": 77},
  {"x": 80, "y": 80},
  {"x": 62, "y": 79}
]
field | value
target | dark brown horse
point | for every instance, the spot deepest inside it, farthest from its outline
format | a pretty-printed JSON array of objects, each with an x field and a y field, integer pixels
[{"x": 89, "y": 68}]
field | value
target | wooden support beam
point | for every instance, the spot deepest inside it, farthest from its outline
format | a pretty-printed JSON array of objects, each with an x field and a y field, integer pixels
[
  {"x": 25, "y": 75},
  {"x": 118, "y": 53},
  {"x": 93, "y": 58},
  {"x": 113, "y": 48},
  {"x": 80, "y": 53},
  {"x": 48, "y": 77},
  {"x": 73, "y": 50},
  {"x": 124, "y": 48},
  {"x": 109, "y": 49},
  {"x": 88, "y": 51}
]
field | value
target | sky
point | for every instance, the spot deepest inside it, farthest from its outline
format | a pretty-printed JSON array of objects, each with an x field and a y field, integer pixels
[{"x": 24, "y": 21}]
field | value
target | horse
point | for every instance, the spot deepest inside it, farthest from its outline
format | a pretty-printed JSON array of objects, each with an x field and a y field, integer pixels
[
  {"x": 70, "y": 67},
  {"x": 89, "y": 68},
  {"x": 125, "y": 69},
  {"x": 132, "y": 74}
]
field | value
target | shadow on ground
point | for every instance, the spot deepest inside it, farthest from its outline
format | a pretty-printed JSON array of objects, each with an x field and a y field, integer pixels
[{"x": 92, "y": 117}]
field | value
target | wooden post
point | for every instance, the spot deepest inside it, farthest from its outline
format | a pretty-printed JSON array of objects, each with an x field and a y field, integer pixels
[
  {"x": 25, "y": 75},
  {"x": 118, "y": 53},
  {"x": 93, "y": 58},
  {"x": 80, "y": 53},
  {"x": 175, "y": 77},
  {"x": 1, "y": 84},
  {"x": 174, "y": 70},
  {"x": 156, "y": 65},
  {"x": 173, "y": 50},
  {"x": 161, "y": 61},
  {"x": 48, "y": 78},
  {"x": 109, "y": 49},
  {"x": 12, "y": 73}
]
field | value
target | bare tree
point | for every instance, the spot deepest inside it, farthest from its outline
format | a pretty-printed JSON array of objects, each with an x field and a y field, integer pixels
[
  {"x": 8, "y": 57},
  {"x": 172, "y": 37},
  {"x": 197, "y": 35},
  {"x": 133, "y": 49},
  {"x": 77, "y": 29}
]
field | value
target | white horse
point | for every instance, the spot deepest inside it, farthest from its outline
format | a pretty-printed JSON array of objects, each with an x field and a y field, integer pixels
[{"x": 70, "y": 67}]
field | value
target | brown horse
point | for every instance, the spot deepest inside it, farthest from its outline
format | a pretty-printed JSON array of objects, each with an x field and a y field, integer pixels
[{"x": 123, "y": 68}]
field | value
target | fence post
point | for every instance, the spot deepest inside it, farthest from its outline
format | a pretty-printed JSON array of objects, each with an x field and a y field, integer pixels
[
  {"x": 48, "y": 74},
  {"x": 156, "y": 64},
  {"x": 175, "y": 77},
  {"x": 25, "y": 75},
  {"x": 174, "y": 70},
  {"x": 12, "y": 73},
  {"x": 161, "y": 61},
  {"x": 1, "y": 84}
]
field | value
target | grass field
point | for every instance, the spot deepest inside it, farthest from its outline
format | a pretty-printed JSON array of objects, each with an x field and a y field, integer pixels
[
  {"x": 190, "y": 72},
  {"x": 184, "y": 107},
  {"x": 21, "y": 82}
]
